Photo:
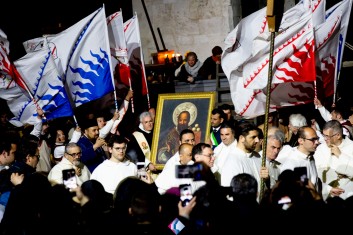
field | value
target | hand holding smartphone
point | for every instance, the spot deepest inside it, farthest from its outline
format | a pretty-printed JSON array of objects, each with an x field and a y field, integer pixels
[
  {"x": 141, "y": 170},
  {"x": 69, "y": 178},
  {"x": 185, "y": 194}
]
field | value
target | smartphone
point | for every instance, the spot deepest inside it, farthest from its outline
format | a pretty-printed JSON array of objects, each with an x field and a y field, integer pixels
[
  {"x": 189, "y": 171},
  {"x": 185, "y": 194},
  {"x": 69, "y": 178},
  {"x": 301, "y": 174},
  {"x": 141, "y": 170}
]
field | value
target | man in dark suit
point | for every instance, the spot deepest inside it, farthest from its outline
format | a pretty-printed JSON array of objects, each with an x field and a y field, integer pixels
[{"x": 217, "y": 118}]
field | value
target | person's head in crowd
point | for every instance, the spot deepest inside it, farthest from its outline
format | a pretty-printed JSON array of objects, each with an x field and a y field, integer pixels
[
  {"x": 29, "y": 154},
  {"x": 59, "y": 153},
  {"x": 91, "y": 129},
  {"x": 244, "y": 187},
  {"x": 117, "y": 147},
  {"x": 247, "y": 136},
  {"x": 332, "y": 132},
  {"x": 227, "y": 109},
  {"x": 227, "y": 134},
  {"x": 308, "y": 140},
  {"x": 296, "y": 121},
  {"x": 275, "y": 140},
  {"x": 339, "y": 113},
  {"x": 261, "y": 140},
  {"x": 217, "y": 53},
  {"x": 145, "y": 207},
  {"x": 217, "y": 117},
  {"x": 101, "y": 121},
  {"x": 124, "y": 192},
  {"x": 187, "y": 136},
  {"x": 93, "y": 191},
  {"x": 203, "y": 152},
  {"x": 185, "y": 153},
  {"x": 146, "y": 121},
  {"x": 73, "y": 153},
  {"x": 8, "y": 150},
  {"x": 191, "y": 58},
  {"x": 152, "y": 111}
]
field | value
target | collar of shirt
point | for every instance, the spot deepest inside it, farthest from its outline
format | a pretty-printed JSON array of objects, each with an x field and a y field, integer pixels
[{"x": 215, "y": 129}]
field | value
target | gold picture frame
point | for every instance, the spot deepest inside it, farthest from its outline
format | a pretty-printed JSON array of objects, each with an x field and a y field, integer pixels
[{"x": 165, "y": 141}]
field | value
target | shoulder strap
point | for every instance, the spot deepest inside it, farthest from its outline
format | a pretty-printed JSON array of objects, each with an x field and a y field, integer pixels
[{"x": 141, "y": 140}]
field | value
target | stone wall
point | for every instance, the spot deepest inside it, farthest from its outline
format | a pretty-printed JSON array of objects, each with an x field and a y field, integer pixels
[
  {"x": 185, "y": 25},
  {"x": 189, "y": 25}
]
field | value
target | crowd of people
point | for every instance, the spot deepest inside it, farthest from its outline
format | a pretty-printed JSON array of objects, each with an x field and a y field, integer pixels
[{"x": 237, "y": 177}]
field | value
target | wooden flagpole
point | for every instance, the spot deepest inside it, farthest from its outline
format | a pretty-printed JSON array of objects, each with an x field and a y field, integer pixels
[{"x": 274, "y": 17}]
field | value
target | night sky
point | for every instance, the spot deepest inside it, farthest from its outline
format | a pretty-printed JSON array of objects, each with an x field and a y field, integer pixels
[{"x": 31, "y": 19}]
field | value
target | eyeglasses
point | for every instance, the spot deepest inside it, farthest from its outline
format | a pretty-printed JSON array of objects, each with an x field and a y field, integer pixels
[
  {"x": 120, "y": 149},
  {"x": 38, "y": 156},
  {"x": 312, "y": 139},
  {"x": 75, "y": 154},
  {"x": 328, "y": 136},
  {"x": 209, "y": 155}
]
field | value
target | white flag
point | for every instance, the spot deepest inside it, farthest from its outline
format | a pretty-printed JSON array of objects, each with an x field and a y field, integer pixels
[
  {"x": 82, "y": 55},
  {"x": 134, "y": 50},
  {"x": 40, "y": 75},
  {"x": 118, "y": 47}
]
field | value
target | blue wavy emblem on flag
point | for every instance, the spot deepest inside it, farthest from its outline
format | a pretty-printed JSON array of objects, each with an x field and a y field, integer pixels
[{"x": 48, "y": 89}]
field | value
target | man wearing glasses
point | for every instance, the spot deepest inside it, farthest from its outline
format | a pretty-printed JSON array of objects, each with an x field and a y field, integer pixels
[
  {"x": 118, "y": 167},
  {"x": 71, "y": 160},
  {"x": 334, "y": 161},
  {"x": 302, "y": 155}
]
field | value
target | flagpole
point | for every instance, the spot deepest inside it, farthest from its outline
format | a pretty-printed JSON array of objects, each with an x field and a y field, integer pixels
[{"x": 274, "y": 17}]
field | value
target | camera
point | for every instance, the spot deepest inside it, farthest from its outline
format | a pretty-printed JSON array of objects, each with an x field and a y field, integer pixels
[{"x": 189, "y": 171}]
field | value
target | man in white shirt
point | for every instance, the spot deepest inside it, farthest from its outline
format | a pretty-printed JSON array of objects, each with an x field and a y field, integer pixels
[
  {"x": 167, "y": 178},
  {"x": 302, "y": 155},
  {"x": 71, "y": 160},
  {"x": 113, "y": 170},
  {"x": 244, "y": 158},
  {"x": 222, "y": 151},
  {"x": 334, "y": 161}
]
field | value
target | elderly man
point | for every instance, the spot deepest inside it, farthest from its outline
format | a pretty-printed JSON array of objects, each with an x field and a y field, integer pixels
[
  {"x": 334, "y": 161},
  {"x": 139, "y": 148},
  {"x": 71, "y": 160},
  {"x": 270, "y": 172}
]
